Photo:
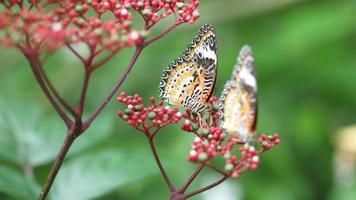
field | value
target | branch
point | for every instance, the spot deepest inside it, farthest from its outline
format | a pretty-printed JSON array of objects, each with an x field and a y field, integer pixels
[
  {"x": 83, "y": 93},
  {"x": 173, "y": 26},
  {"x": 76, "y": 53},
  {"x": 54, "y": 91},
  {"x": 163, "y": 172},
  {"x": 206, "y": 187},
  {"x": 114, "y": 89},
  {"x": 34, "y": 64},
  {"x": 104, "y": 60},
  {"x": 56, "y": 165},
  {"x": 216, "y": 169},
  {"x": 123, "y": 76},
  {"x": 191, "y": 178}
]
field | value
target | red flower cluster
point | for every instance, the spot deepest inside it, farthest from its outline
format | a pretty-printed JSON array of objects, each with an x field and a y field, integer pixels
[
  {"x": 154, "y": 10},
  {"x": 268, "y": 141},
  {"x": 214, "y": 142},
  {"x": 211, "y": 141},
  {"x": 105, "y": 23},
  {"x": 144, "y": 118}
]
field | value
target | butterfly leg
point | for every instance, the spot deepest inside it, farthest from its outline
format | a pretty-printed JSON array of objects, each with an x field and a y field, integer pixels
[{"x": 200, "y": 119}]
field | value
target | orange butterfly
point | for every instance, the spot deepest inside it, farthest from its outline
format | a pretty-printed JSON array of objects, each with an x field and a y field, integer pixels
[
  {"x": 239, "y": 97},
  {"x": 189, "y": 80}
]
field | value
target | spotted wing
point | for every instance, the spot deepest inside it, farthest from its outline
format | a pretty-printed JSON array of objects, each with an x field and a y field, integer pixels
[
  {"x": 239, "y": 96},
  {"x": 203, "y": 52},
  {"x": 189, "y": 80}
]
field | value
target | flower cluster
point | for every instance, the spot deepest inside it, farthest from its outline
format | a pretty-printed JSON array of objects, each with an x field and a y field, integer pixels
[
  {"x": 216, "y": 143},
  {"x": 155, "y": 10},
  {"x": 106, "y": 23},
  {"x": 144, "y": 118},
  {"x": 269, "y": 141},
  {"x": 210, "y": 142}
]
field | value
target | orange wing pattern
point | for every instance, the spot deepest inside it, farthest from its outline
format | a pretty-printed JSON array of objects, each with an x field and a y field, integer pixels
[
  {"x": 189, "y": 80},
  {"x": 239, "y": 97}
]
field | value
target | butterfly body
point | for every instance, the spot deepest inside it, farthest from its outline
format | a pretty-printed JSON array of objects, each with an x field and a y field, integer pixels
[
  {"x": 239, "y": 97},
  {"x": 189, "y": 80}
]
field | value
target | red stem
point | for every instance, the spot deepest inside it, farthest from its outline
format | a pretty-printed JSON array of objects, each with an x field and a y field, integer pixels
[
  {"x": 115, "y": 88},
  {"x": 104, "y": 60},
  {"x": 34, "y": 64},
  {"x": 55, "y": 92},
  {"x": 83, "y": 93},
  {"x": 148, "y": 42},
  {"x": 77, "y": 127},
  {"x": 216, "y": 169},
  {"x": 163, "y": 172},
  {"x": 56, "y": 165},
  {"x": 190, "y": 194},
  {"x": 191, "y": 178},
  {"x": 76, "y": 53}
]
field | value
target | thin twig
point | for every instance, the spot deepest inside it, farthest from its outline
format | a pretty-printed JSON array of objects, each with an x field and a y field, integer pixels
[
  {"x": 56, "y": 165},
  {"x": 191, "y": 178},
  {"x": 83, "y": 93},
  {"x": 216, "y": 169},
  {"x": 54, "y": 91},
  {"x": 163, "y": 172},
  {"x": 148, "y": 42},
  {"x": 34, "y": 64},
  {"x": 114, "y": 89},
  {"x": 104, "y": 60},
  {"x": 76, "y": 53},
  {"x": 76, "y": 129},
  {"x": 190, "y": 194}
]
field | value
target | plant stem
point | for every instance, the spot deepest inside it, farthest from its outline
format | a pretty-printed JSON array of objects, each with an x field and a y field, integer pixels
[
  {"x": 173, "y": 26},
  {"x": 213, "y": 167},
  {"x": 104, "y": 60},
  {"x": 76, "y": 53},
  {"x": 76, "y": 128},
  {"x": 54, "y": 91},
  {"x": 34, "y": 64},
  {"x": 83, "y": 93},
  {"x": 115, "y": 88},
  {"x": 191, "y": 178},
  {"x": 206, "y": 187},
  {"x": 158, "y": 161},
  {"x": 56, "y": 165}
]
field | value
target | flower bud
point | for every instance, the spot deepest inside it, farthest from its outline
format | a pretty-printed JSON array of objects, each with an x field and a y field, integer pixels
[
  {"x": 229, "y": 167},
  {"x": 215, "y": 108},
  {"x": 227, "y": 156},
  {"x": 138, "y": 108},
  {"x": 128, "y": 111},
  {"x": 180, "y": 5},
  {"x": 202, "y": 157},
  {"x": 195, "y": 127},
  {"x": 152, "y": 115},
  {"x": 125, "y": 117}
]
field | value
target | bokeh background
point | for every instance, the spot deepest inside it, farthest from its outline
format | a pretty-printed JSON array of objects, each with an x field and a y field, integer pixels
[{"x": 305, "y": 54}]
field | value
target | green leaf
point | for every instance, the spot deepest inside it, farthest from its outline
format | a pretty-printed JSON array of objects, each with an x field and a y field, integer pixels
[
  {"x": 28, "y": 135},
  {"x": 11, "y": 148},
  {"x": 17, "y": 186},
  {"x": 93, "y": 175}
]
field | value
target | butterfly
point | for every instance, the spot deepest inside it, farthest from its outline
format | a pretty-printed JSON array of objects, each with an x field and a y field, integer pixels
[
  {"x": 239, "y": 97},
  {"x": 190, "y": 79}
]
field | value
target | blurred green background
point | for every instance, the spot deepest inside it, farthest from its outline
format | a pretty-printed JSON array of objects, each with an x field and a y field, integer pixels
[{"x": 305, "y": 54}]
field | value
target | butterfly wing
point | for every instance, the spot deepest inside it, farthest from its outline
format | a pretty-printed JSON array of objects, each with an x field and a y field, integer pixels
[
  {"x": 189, "y": 80},
  {"x": 203, "y": 52},
  {"x": 239, "y": 97}
]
